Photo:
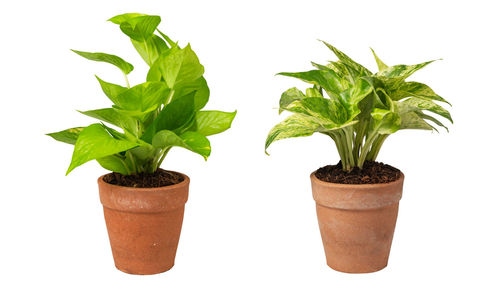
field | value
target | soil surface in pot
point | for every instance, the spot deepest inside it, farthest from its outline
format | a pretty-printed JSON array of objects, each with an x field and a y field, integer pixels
[
  {"x": 372, "y": 172},
  {"x": 144, "y": 180}
]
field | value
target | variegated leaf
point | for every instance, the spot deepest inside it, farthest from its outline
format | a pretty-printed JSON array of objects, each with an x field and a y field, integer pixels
[
  {"x": 432, "y": 119},
  {"x": 289, "y": 96},
  {"x": 327, "y": 79},
  {"x": 352, "y": 96},
  {"x": 401, "y": 72},
  {"x": 411, "y": 120},
  {"x": 412, "y": 89},
  {"x": 385, "y": 121},
  {"x": 313, "y": 92},
  {"x": 380, "y": 64},
  {"x": 328, "y": 113},
  {"x": 430, "y": 106},
  {"x": 358, "y": 69},
  {"x": 293, "y": 126}
]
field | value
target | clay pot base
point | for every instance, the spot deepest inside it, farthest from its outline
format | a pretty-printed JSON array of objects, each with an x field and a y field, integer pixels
[
  {"x": 144, "y": 244},
  {"x": 357, "y": 223},
  {"x": 357, "y": 241},
  {"x": 144, "y": 225}
]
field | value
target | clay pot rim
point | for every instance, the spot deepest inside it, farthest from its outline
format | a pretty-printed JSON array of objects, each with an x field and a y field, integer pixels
[
  {"x": 184, "y": 182},
  {"x": 356, "y": 185}
]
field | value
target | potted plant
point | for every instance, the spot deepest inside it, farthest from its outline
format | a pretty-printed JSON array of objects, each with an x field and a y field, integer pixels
[
  {"x": 357, "y": 199},
  {"x": 144, "y": 204}
]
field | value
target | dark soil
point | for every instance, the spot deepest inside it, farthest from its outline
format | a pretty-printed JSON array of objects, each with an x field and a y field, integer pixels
[
  {"x": 157, "y": 179},
  {"x": 372, "y": 172}
]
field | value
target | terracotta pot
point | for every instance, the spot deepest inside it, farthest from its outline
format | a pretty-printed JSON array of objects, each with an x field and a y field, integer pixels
[
  {"x": 357, "y": 223},
  {"x": 144, "y": 225}
]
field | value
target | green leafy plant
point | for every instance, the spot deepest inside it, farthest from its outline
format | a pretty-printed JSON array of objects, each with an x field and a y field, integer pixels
[
  {"x": 154, "y": 116},
  {"x": 358, "y": 109}
]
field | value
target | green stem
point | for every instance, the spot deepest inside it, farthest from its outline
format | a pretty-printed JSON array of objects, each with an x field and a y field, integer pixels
[
  {"x": 123, "y": 163},
  {"x": 336, "y": 139},
  {"x": 360, "y": 134},
  {"x": 132, "y": 161},
  {"x": 163, "y": 155},
  {"x": 170, "y": 96},
  {"x": 348, "y": 133},
  {"x": 126, "y": 80},
  {"x": 145, "y": 43},
  {"x": 343, "y": 142},
  {"x": 366, "y": 147},
  {"x": 372, "y": 155}
]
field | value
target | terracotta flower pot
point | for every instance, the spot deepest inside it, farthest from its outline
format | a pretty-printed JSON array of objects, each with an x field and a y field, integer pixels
[
  {"x": 144, "y": 224},
  {"x": 357, "y": 223}
]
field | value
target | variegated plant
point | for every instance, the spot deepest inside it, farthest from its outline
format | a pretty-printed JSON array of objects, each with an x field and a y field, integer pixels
[{"x": 358, "y": 109}]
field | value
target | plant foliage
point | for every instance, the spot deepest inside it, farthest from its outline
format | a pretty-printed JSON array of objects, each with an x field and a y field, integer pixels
[
  {"x": 154, "y": 116},
  {"x": 358, "y": 109}
]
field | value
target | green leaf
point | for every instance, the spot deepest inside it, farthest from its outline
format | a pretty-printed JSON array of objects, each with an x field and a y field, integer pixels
[
  {"x": 180, "y": 67},
  {"x": 105, "y": 114},
  {"x": 202, "y": 93},
  {"x": 68, "y": 136},
  {"x": 124, "y": 17},
  {"x": 327, "y": 79},
  {"x": 381, "y": 65},
  {"x": 211, "y": 122},
  {"x": 143, "y": 98},
  {"x": 111, "y": 90},
  {"x": 293, "y": 126},
  {"x": 109, "y": 58},
  {"x": 166, "y": 138},
  {"x": 192, "y": 141},
  {"x": 177, "y": 114},
  {"x": 112, "y": 116},
  {"x": 150, "y": 49},
  {"x": 169, "y": 41},
  {"x": 197, "y": 143},
  {"x": 140, "y": 28},
  {"x": 430, "y": 106},
  {"x": 114, "y": 133},
  {"x": 143, "y": 153},
  {"x": 95, "y": 142},
  {"x": 113, "y": 163}
]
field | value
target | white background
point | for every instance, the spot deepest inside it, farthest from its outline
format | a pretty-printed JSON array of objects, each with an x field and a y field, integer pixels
[{"x": 250, "y": 229}]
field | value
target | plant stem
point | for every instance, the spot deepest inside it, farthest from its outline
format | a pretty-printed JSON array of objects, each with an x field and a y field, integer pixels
[
  {"x": 360, "y": 134},
  {"x": 124, "y": 164},
  {"x": 348, "y": 133},
  {"x": 343, "y": 141},
  {"x": 372, "y": 155},
  {"x": 126, "y": 80},
  {"x": 163, "y": 155},
  {"x": 366, "y": 147},
  {"x": 170, "y": 96},
  {"x": 340, "y": 150},
  {"x": 132, "y": 161}
]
